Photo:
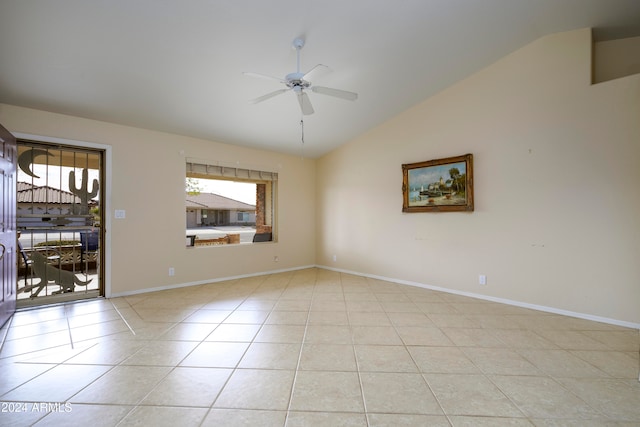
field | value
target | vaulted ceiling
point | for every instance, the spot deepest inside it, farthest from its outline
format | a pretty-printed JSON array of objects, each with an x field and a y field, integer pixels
[{"x": 177, "y": 66}]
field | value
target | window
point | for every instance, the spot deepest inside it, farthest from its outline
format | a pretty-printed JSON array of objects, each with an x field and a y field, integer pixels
[{"x": 229, "y": 205}]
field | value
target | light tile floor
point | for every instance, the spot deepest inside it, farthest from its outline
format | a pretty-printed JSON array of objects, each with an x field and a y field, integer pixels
[{"x": 313, "y": 348}]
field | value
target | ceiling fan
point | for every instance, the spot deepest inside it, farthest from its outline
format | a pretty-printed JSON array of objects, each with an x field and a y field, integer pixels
[{"x": 298, "y": 82}]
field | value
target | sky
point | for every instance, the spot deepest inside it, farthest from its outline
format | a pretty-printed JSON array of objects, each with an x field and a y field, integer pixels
[
  {"x": 428, "y": 175},
  {"x": 56, "y": 176},
  {"x": 242, "y": 191}
]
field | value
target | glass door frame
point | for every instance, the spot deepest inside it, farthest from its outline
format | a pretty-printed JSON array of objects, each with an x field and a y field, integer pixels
[{"x": 105, "y": 196}]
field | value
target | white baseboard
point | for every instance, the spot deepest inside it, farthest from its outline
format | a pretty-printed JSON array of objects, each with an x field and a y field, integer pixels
[
  {"x": 204, "y": 282},
  {"x": 494, "y": 299},
  {"x": 399, "y": 281}
]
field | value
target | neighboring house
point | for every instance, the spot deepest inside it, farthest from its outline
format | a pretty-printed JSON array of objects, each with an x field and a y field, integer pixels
[
  {"x": 208, "y": 209},
  {"x": 41, "y": 206}
]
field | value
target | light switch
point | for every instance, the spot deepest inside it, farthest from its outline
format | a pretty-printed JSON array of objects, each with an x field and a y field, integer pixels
[{"x": 119, "y": 214}]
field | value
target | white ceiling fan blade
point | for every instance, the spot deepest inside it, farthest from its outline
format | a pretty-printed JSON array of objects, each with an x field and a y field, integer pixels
[
  {"x": 305, "y": 104},
  {"x": 267, "y": 96},
  {"x": 350, "y": 96},
  {"x": 316, "y": 71},
  {"x": 263, "y": 76}
]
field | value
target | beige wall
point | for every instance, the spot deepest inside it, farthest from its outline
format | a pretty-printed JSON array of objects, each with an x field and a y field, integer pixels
[
  {"x": 148, "y": 182},
  {"x": 556, "y": 222},
  {"x": 557, "y": 204},
  {"x": 616, "y": 58}
]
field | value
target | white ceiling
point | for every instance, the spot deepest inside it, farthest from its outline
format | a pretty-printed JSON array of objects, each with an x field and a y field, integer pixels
[{"x": 176, "y": 66}]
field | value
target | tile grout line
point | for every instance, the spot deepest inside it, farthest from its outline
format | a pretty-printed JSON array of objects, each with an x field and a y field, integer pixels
[
  {"x": 509, "y": 398},
  {"x": 355, "y": 356},
  {"x": 66, "y": 317},
  {"x": 236, "y": 367},
  {"x": 419, "y": 370},
  {"x": 122, "y": 317},
  {"x": 173, "y": 368},
  {"x": 319, "y": 285},
  {"x": 304, "y": 336},
  {"x": 6, "y": 328}
]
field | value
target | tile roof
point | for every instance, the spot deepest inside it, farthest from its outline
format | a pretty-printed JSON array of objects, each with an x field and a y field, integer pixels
[
  {"x": 215, "y": 201},
  {"x": 28, "y": 193}
]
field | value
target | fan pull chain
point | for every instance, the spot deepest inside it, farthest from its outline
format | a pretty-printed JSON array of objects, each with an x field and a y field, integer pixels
[{"x": 302, "y": 136}]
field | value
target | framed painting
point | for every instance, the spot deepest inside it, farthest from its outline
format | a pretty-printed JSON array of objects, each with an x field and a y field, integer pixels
[{"x": 440, "y": 185}]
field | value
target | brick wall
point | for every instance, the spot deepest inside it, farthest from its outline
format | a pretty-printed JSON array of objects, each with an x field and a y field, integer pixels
[{"x": 261, "y": 191}]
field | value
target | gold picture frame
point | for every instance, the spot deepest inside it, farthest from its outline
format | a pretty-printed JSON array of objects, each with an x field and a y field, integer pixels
[{"x": 440, "y": 185}]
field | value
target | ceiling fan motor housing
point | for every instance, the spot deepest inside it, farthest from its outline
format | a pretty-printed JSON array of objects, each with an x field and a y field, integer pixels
[{"x": 295, "y": 80}]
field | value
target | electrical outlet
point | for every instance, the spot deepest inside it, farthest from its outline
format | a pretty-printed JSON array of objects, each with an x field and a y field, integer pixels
[
  {"x": 172, "y": 271},
  {"x": 482, "y": 279},
  {"x": 335, "y": 258}
]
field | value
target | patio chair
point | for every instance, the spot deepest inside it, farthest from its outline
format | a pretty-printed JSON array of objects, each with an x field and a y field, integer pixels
[
  {"x": 89, "y": 242},
  {"x": 262, "y": 237}
]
